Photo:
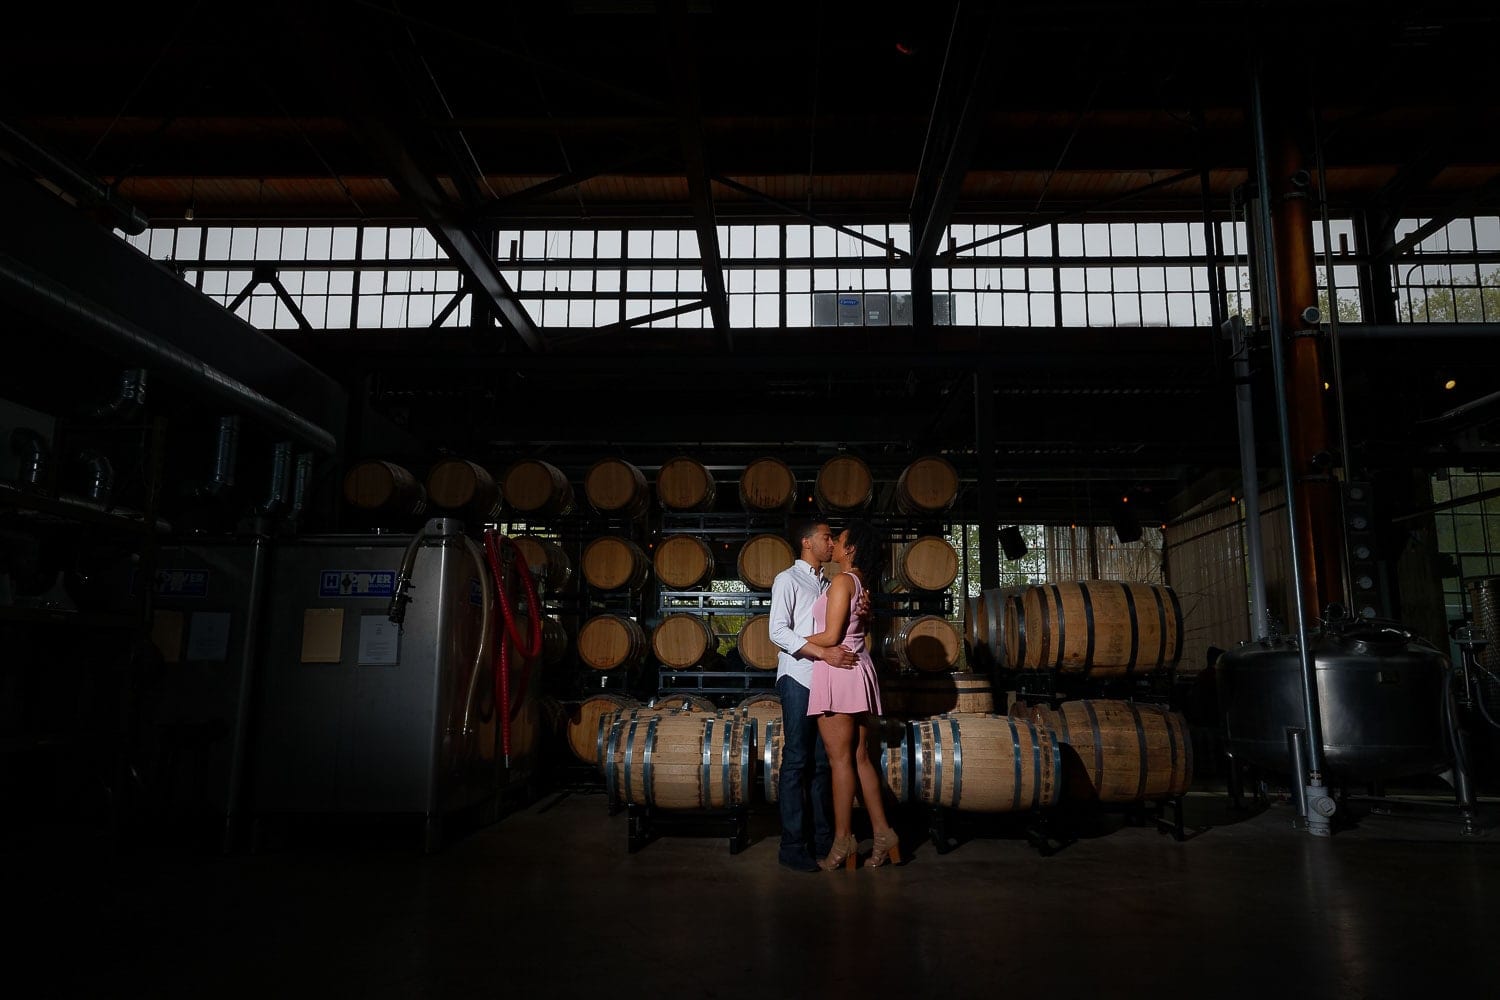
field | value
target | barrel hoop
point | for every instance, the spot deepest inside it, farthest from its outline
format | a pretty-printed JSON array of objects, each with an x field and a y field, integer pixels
[
  {"x": 1161, "y": 620},
  {"x": 1036, "y": 764},
  {"x": 706, "y": 743},
  {"x": 747, "y": 747},
  {"x": 1166, "y": 719},
  {"x": 1088, "y": 707},
  {"x": 602, "y": 733},
  {"x": 1045, "y": 653},
  {"x": 1140, "y": 740},
  {"x": 1020, "y": 634},
  {"x": 1062, "y": 625},
  {"x": 958, "y": 763},
  {"x": 937, "y": 762},
  {"x": 608, "y": 761},
  {"x": 1062, "y": 720},
  {"x": 1135, "y": 629},
  {"x": 726, "y": 755},
  {"x": 629, "y": 759},
  {"x": 647, "y": 772},
  {"x": 916, "y": 735},
  {"x": 1177, "y": 623},
  {"x": 1015, "y": 744},
  {"x": 1088, "y": 624},
  {"x": 905, "y": 795}
]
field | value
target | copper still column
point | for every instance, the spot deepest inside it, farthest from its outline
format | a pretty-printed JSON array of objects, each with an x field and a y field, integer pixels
[{"x": 1317, "y": 494}]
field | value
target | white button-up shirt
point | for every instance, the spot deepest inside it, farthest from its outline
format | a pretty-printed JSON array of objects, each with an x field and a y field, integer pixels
[{"x": 793, "y": 593}]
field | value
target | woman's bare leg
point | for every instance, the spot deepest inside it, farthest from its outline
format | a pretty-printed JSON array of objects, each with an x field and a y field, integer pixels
[
  {"x": 871, "y": 788},
  {"x": 838, "y": 740}
]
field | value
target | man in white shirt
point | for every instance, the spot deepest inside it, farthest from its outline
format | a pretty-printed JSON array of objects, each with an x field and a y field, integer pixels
[{"x": 793, "y": 593}]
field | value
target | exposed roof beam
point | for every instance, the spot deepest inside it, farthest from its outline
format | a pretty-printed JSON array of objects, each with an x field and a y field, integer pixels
[
  {"x": 794, "y": 210},
  {"x": 500, "y": 207},
  {"x": 355, "y": 85},
  {"x": 700, "y": 193},
  {"x": 1465, "y": 205},
  {"x": 953, "y": 130}
]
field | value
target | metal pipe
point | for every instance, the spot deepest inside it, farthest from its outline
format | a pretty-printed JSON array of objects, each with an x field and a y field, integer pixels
[
  {"x": 281, "y": 477},
  {"x": 104, "y": 330},
  {"x": 99, "y": 475},
  {"x": 226, "y": 451},
  {"x": 31, "y": 448},
  {"x": 1296, "y": 742},
  {"x": 1418, "y": 331},
  {"x": 1260, "y": 616},
  {"x": 42, "y": 161},
  {"x": 1278, "y": 365},
  {"x": 130, "y": 396},
  {"x": 301, "y": 482},
  {"x": 249, "y": 650}
]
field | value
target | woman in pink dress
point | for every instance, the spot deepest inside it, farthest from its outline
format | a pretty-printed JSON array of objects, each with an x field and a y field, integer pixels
[{"x": 847, "y": 700}]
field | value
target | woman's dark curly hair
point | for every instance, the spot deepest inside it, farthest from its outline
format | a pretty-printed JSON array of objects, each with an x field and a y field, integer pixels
[{"x": 869, "y": 552}]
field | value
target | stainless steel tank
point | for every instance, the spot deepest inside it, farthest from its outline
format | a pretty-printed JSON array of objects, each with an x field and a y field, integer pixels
[
  {"x": 1381, "y": 692},
  {"x": 356, "y": 717}
]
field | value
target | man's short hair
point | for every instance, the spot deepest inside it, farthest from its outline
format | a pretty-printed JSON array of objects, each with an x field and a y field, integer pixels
[{"x": 805, "y": 529}]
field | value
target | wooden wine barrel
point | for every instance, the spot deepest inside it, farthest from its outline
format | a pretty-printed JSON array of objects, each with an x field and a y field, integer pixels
[
  {"x": 768, "y": 484},
  {"x": 537, "y": 489},
  {"x": 685, "y": 484},
  {"x": 467, "y": 487},
  {"x": 761, "y": 558},
  {"x": 684, "y": 640},
  {"x": 985, "y": 763},
  {"x": 583, "y": 722},
  {"x": 844, "y": 485},
  {"x": 682, "y": 701},
  {"x": 926, "y": 563},
  {"x": 755, "y": 645},
  {"x": 609, "y": 641},
  {"x": 611, "y": 562},
  {"x": 927, "y": 643},
  {"x": 608, "y": 719},
  {"x": 927, "y": 486},
  {"x": 1101, "y": 628},
  {"x": 385, "y": 488},
  {"x": 614, "y": 487},
  {"x": 1119, "y": 751},
  {"x": 550, "y": 566},
  {"x": 760, "y": 708},
  {"x": 894, "y": 762},
  {"x": 686, "y": 761},
  {"x": 683, "y": 562},
  {"x": 921, "y": 696},
  {"x": 992, "y": 627}
]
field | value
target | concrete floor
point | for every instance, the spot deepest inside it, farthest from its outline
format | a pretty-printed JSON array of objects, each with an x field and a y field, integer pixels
[{"x": 549, "y": 902}]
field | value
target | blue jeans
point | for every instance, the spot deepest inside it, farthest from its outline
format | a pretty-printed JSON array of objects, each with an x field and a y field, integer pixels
[{"x": 801, "y": 744}]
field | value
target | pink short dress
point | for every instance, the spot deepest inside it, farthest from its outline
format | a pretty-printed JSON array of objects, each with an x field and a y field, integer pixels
[{"x": 844, "y": 689}]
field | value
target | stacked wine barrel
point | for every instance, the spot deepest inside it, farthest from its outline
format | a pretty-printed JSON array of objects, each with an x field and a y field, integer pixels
[{"x": 1095, "y": 628}]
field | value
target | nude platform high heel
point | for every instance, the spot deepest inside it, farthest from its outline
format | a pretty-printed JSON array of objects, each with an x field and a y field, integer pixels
[
  {"x": 844, "y": 853},
  {"x": 887, "y": 848}
]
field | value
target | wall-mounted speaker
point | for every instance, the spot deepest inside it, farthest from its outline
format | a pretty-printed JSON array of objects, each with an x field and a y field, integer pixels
[
  {"x": 1012, "y": 543},
  {"x": 1127, "y": 528}
]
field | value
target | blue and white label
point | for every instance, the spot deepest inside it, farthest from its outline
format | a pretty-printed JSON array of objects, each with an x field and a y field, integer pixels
[
  {"x": 182, "y": 582},
  {"x": 356, "y": 583},
  {"x": 848, "y": 302},
  {"x": 476, "y": 593}
]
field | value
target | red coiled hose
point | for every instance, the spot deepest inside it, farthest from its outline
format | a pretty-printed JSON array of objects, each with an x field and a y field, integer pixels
[{"x": 508, "y": 631}]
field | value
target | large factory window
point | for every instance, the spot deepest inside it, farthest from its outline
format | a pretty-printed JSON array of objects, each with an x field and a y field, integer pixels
[
  {"x": 1467, "y": 533},
  {"x": 1118, "y": 274}
]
